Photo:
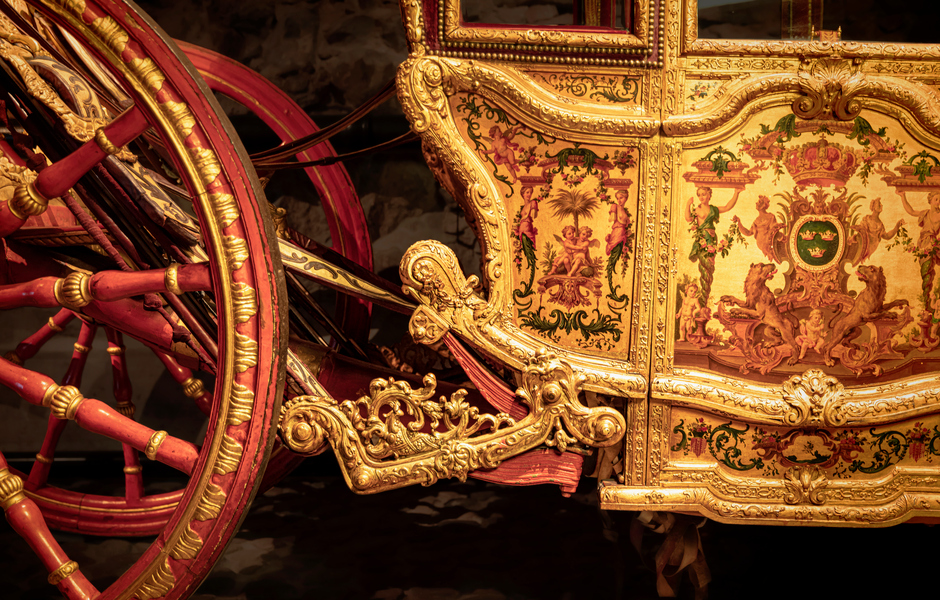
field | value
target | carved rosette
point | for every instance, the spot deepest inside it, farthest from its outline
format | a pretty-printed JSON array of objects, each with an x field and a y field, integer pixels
[{"x": 380, "y": 448}]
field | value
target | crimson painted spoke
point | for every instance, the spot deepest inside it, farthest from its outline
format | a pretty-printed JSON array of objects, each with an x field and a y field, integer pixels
[
  {"x": 28, "y": 348},
  {"x": 192, "y": 385},
  {"x": 31, "y": 199},
  {"x": 133, "y": 479},
  {"x": 95, "y": 416},
  {"x": 26, "y": 519},
  {"x": 73, "y": 376}
]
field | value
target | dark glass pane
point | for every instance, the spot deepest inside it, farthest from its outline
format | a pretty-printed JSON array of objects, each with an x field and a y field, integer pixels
[{"x": 739, "y": 20}]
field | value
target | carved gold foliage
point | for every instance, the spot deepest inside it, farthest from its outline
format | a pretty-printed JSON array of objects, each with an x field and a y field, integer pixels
[
  {"x": 180, "y": 115},
  {"x": 158, "y": 584},
  {"x": 206, "y": 164},
  {"x": 111, "y": 33},
  {"x": 414, "y": 26},
  {"x": 226, "y": 208},
  {"x": 187, "y": 546},
  {"x": 147, "y": 71},
  {"x": 240, "y": 407},
  {"x": 813, "y": 397},
  {"x": 830, "y": 86},
  {"x": 377, "y": 452},
  {"x": 210, "y": 503},
  {"x": 805, "y": 483},
  {"x": 244, "y": 302},
  {"x": 236, "y": 251},
  {"x": 230, "y": 453},
  {"x": 246, "y": 352}
]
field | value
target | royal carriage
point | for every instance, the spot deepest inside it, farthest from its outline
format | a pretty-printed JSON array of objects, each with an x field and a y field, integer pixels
[{"x": 710, "y": 264}]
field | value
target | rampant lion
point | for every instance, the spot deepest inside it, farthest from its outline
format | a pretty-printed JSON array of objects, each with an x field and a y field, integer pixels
[
  {"x": 869, "y": 306},
  {"x": 760, "y": 303}
]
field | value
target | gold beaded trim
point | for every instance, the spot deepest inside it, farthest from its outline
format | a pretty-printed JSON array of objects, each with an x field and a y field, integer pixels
[
  {"x": 13, "y": 357},
  {"x": 11, "y": 489},
  {"x": 62, "y": 572},
  {"x": 170, "y": 280},
  {"x": 27, "y": 201},
  {"x": 132, "y": 470},
  {"x": 115, "y": 350},
  {"x": 74, "y": 290},
  {"x": 43, "y": 459},
  {"x": 65, "y": 402},
  {"x": 126, "y": 409},
  {"x": 82, "y": 348},
  {"x": 54, "y": 326},
  {"x": 154, "y": 444},
  {"x": 104, "y": 143}
]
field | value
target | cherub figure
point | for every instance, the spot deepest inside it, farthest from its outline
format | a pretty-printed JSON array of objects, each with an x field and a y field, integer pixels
[
  {"x": 688, "y": 311},
  {"x": 503, "y": 148},
  {"x": 569, "y": 233},
  {"x": 871, "y": 231},
  {"x": 812, "y": 333},
  {"x": 764, "y": 229},
  {"x": 582, "y": 251}
]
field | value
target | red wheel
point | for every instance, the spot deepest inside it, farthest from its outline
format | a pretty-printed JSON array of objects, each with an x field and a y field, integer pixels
[{"x": 226, "y": 318}]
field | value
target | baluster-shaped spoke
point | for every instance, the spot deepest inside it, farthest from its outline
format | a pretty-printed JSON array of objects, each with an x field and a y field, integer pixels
[
  {"x": 26, "y": 519},
  {"x": 39, "y": 474},
  {"x": 29, "y": 347},
  {"x": 66, "y": 402},
  {"x": 32, "y": 199},
  {"x": 133, "y": 478},
  {"x": 192, "y": 385},
  {"x": 78, "y": 289}
]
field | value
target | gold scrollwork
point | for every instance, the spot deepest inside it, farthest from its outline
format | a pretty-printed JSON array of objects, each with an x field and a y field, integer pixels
[
  {"x": 814, "y": 397},
  {"x": 805, "y": 483},
  {"x": 830, "y": 86},
  {"x": 378, "y": 452}
]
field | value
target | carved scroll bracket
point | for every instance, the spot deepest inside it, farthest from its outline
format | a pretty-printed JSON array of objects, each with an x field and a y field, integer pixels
[
  {"x": 831, "y": 86},
  {"x": 396, "y": 436}
]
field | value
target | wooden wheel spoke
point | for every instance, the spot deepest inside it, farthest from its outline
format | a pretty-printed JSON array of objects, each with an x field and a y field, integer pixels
[
  {"x": 28, "y": 348},
  {"x": 78, "y": 289},
  {"x": 32, "y": 199},
  {"x": 73, "y": 376},
  {"x": 192, "y": 385},
  {"x": 66, "y": 402},
  {"x": 26, "y": 519},
  {"x": 133, "y": 478}
]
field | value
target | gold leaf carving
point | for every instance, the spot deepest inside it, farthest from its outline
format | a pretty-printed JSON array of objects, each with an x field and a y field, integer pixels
[
  {"x": 246, "y": 352},
  {"x": 225, "y": 207},
  {"x": 187, "y": 546},
  {"x": 210, "y": 504},
  {"x": 207, "y": 164},
  {"x": 230, "y": 453},
  {"x": 236, "y": 251},
  {"x": 243, "y": 301},
  {"x": 112, "y": 33},
  {"x": 180, "y": 115},
  {"x": 242, "y": 402},
  {"x": 158, "y": 584},
  {"x": 148, "y": 72}
]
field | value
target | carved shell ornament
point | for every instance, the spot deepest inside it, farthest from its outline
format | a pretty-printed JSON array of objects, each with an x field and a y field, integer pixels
[{"x": 830, "y": 85}]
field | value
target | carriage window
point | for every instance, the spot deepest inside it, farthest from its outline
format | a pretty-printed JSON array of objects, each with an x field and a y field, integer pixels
[
  {"x": 591, "y": 13},
  {"x": 912, "y": 21}
]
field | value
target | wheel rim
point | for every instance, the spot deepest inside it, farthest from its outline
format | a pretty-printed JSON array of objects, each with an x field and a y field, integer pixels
[{"x": 251, "y": 343}]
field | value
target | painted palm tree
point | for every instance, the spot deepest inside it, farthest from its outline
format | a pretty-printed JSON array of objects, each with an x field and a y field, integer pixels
[{"x": 573, "y": 203}]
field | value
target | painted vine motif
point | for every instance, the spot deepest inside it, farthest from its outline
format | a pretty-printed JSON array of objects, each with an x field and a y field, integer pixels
[
  {"x": 613, "y": 89},
  {"x": 843, "y": 452},
  {"x": 799, "y": 251},
  {"x": 573, "y": 228}
]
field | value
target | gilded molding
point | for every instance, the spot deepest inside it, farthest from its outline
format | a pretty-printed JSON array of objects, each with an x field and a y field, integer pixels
[
  {"x": 74, "y": 290},
  {"x": 171, "y": 280},
  {"x": 187, "y": 546},
  {"x": 159, "y": 583},
  {"x": 11, "y": 489},
  {"x": 64, "y": 571},
  {"x": 153, "y": 445},
  {"x": 193, "y": 388},
  {"x": 65, "y": 402},
  {"x": 378, "y": 453},
  {"x": 26, "y": 201}
]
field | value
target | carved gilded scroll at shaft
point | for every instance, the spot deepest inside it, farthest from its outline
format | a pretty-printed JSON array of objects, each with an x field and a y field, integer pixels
[{"x": 379, "y": 451}]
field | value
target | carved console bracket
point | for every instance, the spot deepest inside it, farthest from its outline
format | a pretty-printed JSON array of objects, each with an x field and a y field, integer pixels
[{"x": 396, "y": 436}]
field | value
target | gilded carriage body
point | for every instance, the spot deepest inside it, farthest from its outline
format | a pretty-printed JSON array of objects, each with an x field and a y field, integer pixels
[{"x": 736, "y": 238}]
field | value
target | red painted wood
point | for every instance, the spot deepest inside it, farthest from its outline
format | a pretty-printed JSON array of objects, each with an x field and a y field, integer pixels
[
  {"x": 123, "y": 391},
  {"x": 29, "y": 385},
  {"x": 57, "y": 178},
  {"x": 28, "y": 348},
  {"x": 97, "y": 417},
  {"x": 38, "y": 292},
  {"x": 73, "y": 376},
  {"x": 181, "y": 374},
  {"x": 108, "y": 286}
]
